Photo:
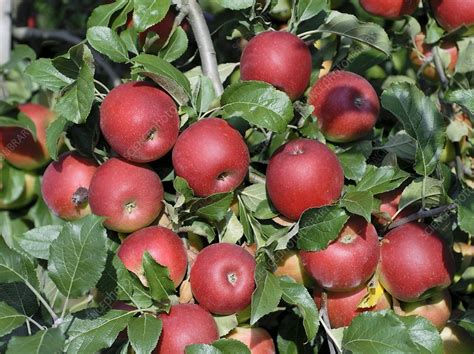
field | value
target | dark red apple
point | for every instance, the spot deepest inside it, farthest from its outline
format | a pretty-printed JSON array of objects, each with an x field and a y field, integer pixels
[
  {"x": 415, "y": 262},
  {"x": 349, "y": 261},
  {"x": 139, "y": 121},
  {"x": 258, "y": 340},
  {"x": 222, "y": 278},
  {"x": 343, "y": 307},
  {"x": 452, "y": 14},
  {"x": 280, "y": 59},
  {"x": 162, "y": 244},
  {"x": 127, "y": 194},
  {"x": 303, "y": 174},
  {"x": 17, "y": 144},
  {"x": 185, "y": 324},
  {"x": 211, "y": 156},
  {"x": 389, "y": 203},
  {"x": 390, "y": 9},
  {"x": 65, "y": 185},
  {"x": 346, "y": 105}
]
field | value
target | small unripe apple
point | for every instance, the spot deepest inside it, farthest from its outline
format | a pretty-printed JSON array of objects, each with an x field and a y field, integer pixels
[
  {"x": 289, "y": 264},
  {"x": 163, "y": 245},
  {"x": 222, "y": 278},
  {"x": 346, "y": 105},
  {"x": 280, "y": 59},
  {"x": 349, "y": 261},
  {"x": 452, "y": 14},
  {"x": 303, "y": 174},
  {"x": 139, "y": 121},
  {"x": 258, "y": 340},
  {"x": 127, "y": 194},
  {"x": 211, "y": 156},
  {"x": 456, "y": 340},
  {"x": 184, "y": 325},
  {"x": 65, "y": 185},
  {"x": 17, "y": 144},
  {"x": 391, "y": 9},
  {"x": 29, "y": 193},
  {"x": 415, "y": 262},
  {"x": 343, "y": 307}
]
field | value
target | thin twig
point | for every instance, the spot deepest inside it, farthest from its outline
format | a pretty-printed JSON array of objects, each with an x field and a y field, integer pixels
[
  {"x": 256, "y": 178},
  {"x": 439, "y": 69},
  {"x": 423, "y": 214},
  {"x": 324, "y": 320},
  {"x": 40, "y": 327}
]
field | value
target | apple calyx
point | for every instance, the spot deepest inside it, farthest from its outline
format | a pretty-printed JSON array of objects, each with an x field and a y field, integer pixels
[
  {"x": 232, "y": 278},
  {"x": 80, "y": 196},
  {"x": 130, "y": 207}
]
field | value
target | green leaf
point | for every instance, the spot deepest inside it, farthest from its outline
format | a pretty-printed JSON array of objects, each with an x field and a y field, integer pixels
[
  {"x": 203, "y": 94},
  {"x": 144, "y": 332},
  {"x": 421, "y": 120},
  {"x": 266, "y": 295},
  {"x": 22, "y": 121},
  {"x": 424, "y": 334},
  {"x": 320, "y": 226},
  {"x": 353, "y": 163},
  {"x": 381, "y": 179},
  {"x": 466, "y": 53},
  {"x": 18, "y": 55},
  {"x": 457, "y": 130},
  {"x": 235, "y": 4},
  {"x": 165, "y": 75},
  {"x": 181, "y": 186},
  {"x": 92, "y": 335},
  {"x": 359, "y": 203},
  {"x": 225, "y": 324},
  {"x": 50, "y": 341},
  {"x": 253, "y": 195},
  {"x": 146, "y": 13},
  {"x": 214, "y": 207},
  {"x": 464, "y": 98},
  {"x": 14, "y": 267},
  {"x": 224, "y": 70},
  {"x": 467, "y": 321},
  {"x": 10, "y": 319},
  {"x": 428, "y": 190},
  {"x": 53, "y": 135},
  {"x": 102, "y": 14},
  {"x": 107, "y": 42},
  {"x": 221, "y": 346},
  {"x": 45, "y": 74},
  {"x": 402, "y": 145},
  {"x": 349, "y": 26},
  {"x": 307, "y": 9},
  {"x": 158, "y": 279},
  {"x": 234, "y": 230},
  {"x": 20, "y": 297},
  {"x": 36, "y": 242},
  {"x": 296, "y": 294},
  {"x": 202, "y": 229},
  {"x": 176, "y": 46},
  {"x": 258, "y": 103},
  {"x": 12, "y": 183},
  {"x": 40, "y": 215},
  {"x": 465, "y": 203},
  {"x": 77, "y": 256}
]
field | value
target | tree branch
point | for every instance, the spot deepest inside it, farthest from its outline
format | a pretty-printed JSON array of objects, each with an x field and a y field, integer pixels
[
  {"x": 5, "y": 30},
  {"x": 422, "y": 214},
  {"x": 204, "y": 43}
]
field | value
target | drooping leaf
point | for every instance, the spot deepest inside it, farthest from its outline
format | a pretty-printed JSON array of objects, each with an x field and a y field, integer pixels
[
  {"x": 158, "y": 279},
  {"x": 149, "y": 12},
  {"x": 465, "y": 203},
  {"x": 47, "y": 75},
  {"x": 9, "y": 319},
  {"x": 176, "y": 46},
  {"x": 267, "y": 293},
  {"x": 37, "y": 242},
  {"x": 143, "y": 333},
  {"x": 381, "y": 179},
  {"x": 359, "y": 203},
  {"x": 427, "y": 191},
  {"x": 213, "y": 207},
  {"x": 424, "y": 334},
  {"x": 107, "y": 42},
  {"x": 48, "y": 341}
]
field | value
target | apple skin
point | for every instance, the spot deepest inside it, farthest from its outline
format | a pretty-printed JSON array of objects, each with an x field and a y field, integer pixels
[
  {"x": 349, "y": 261},
  {"x": 150, "y": 116},
  {"x": 346, "y": 105},
  {"x": 343, "y": 307},
  {"x": 303, "y": 174},
  {"x": 127, "y": 194},
  {"x": 280, "y": 59},
  {"x": 62, "y": 179},
  {"x": 26, "y": 197},
  {"x": 414, "y": 262},
  {"x": 162, "y": 244},
  {"x": 391, "y": 9},
  {"x": 436, "y": 309},
  {"x": 17, "y": 144},
  {"x": 185, "y": 324},
  {"x": 258, "y": 340},
  {"x": 211, "y": 156},
  {"x": 162, "y": 29},
  {"x": 456, "y": 340},
  {"x": 222, "y": 278},
  {"x": 289, "y": 264},
  {"x": 452, "y": 14}
]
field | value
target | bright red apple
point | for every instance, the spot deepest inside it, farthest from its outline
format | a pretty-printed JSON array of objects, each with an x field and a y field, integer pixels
[
  {"x": 185, "y": 324},
  {"x": 258, "y": 340},
  {"x": 303, "y": 174},
  {"x": 349, "y": 261},
  {"x": 139, "y": 121},
  {"x": 280, "y": 59},
  {"x": 415, "y": 262},
  {"x": 65, "y": 185},
  {"x": 17, "y": 144},
  {"x": 127, "y": 194},
  {"x": 452, "y": 14},
  {"x": 222, "y": 278},
  {"x": 211, "y": 156},
  {"x": 346, "y": 105},
  {"x": 390, "y": 9},
  {"x": 162, "y": 244}
]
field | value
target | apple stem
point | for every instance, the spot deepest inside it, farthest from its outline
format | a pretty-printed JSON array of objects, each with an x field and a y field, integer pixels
[
  {"x": 422, "y": 214},
  {"x": 5, "y": 41},
  {"x": 256, "y": 178},
  {"x": 203, "y": 39}
]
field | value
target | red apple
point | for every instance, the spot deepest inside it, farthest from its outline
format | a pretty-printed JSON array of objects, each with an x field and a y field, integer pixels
[
  {"x": 436, "y": 309},
  {"x": 65, "y": 185},
  {"x": 390, "y": 9},
  {"x": 452, "y": 14},
  {"x": 222, "y": 278},
  {"x": 303, "y": 174},
  {"x": 349, "y": 261},
  {"x": 211, "y": 156},
  {"x": 185, "y": 324},
  {"x": 163, "y": 245},
  {"x": 139, "y": 121},
  {"x": 162, "y": 29},
  {"x": 343, "y": 307},
  {"x": 258, "y": 340},
  {"x": 346, "y": 105},
  {"x": 127, "y": 194},
  {"x": 280, "y": 59},
  {"x": 17, "y": 144},
  {"x": 289, "y": 264},
  {"x": 415, "y": 262},
  {"x": 389, "y": 202}
]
